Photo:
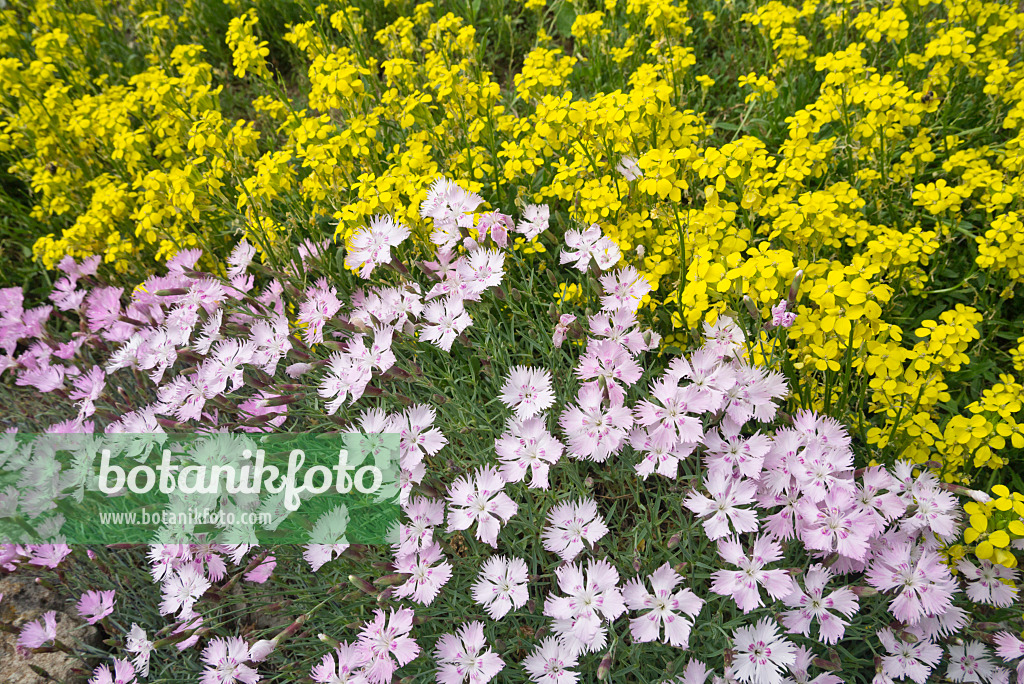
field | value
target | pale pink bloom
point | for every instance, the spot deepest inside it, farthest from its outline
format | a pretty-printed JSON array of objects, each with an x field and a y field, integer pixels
[
  {"x": 256, "y": 407},
  {"x": 624, "y": 289},
  {"x": 549, "y": 663},
  {"x": 620, "y": 326},
  {"x": 609, "y": 363},
  {"x": 417, "y": 434},
  {"x": 837, "y": 523},
  {"x": 341, "y": 666},
  {"x": 123, "y": 673},
  {"x": 226, "y": 662},
  {"x": 501, "y": 585},
  {"x": 96, "y": 605},
  {"x": 346, "y": 380},
  {"x": 320, "y": 306},
  {"x": 465, "y": 656},
  {"x": 665, "y": 608},
  {"x": 137, "y": 643},
  {"x": 271, "y": 338},
  {"x": 661, "y": 452},
  {"x": 498, "y": 225},
  {"x": 483, "y": 269},
  {"x": 424, "y": 514},
  {"x": 589, "y": 603},
  {"x": 924, "y": 583},
  {"x": 595, "y": 432},
  {"x": 782, "y": 318},
  {"x": 181, "y": 590},
  {"x": 570, "y": 523},
  {"x": 371, "y": 247},
  {"x": 743, "y": 584},
  {"x": 561, "y": 328},
  {"x": 262, "y": 572},
  {"x": 908, "y": 659},
  {"x": 480, "y": 500},
  {"x": 1009, "y": 647},
  {"x": 673, "y": 414},
  {"x": 385, "y": 645},
  {"x": 37, "y": 632},
  {"x": 735, "y": 453},
  {"x": 695, "y": 672},
  {"x": 534, "y": 221},
  {"x": 427, "y": 575},
  {"x": 990, "y": 583},
  {"x": 760, "y": 653},
  {"x": 240, "y": 258},
  {"x": 447, "y": 203},
  {"x": 527, "y": 391},
  {"x": 874, "y": 498},
  {"x": 584, "y": 245},
  {"x": 720, "y": 510},
  {"x": 970, "y": 662},
  {"x": 815, "y": 605},
  {"x": 936, "y": 511},
  {"x": 587, "y": 245},
  {"x": 525, "y": 448},
  {"x": 725, "y": 339},
  {"x": 445, "y": 321},
  {"x": 317, "y": 555},
  {"x": 48, "y": 555},
  {"x": 630, "y": 169}
]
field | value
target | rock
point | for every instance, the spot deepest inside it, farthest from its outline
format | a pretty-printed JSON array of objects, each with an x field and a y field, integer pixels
[{"x": 24, "y": 601}]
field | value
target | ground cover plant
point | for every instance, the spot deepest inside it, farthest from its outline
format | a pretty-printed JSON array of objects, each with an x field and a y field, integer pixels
[{"x": 697, "y": 323}]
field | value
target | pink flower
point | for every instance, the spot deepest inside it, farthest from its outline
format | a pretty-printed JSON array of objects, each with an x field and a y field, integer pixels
[
  {"x": 527, "y": 447},
  {"x": 123, "y": 673},
  {"x": 922, "y": 579},
  {"x": 527, "y": 391},
  {"x": 427, "y": 575},
  {"x": 666, "y": 608},
  {"x": 445, "y": 321},
  {"x": 424, "y": 514},
  {"x": 181, "y": 590},
  {"x": 262, "y": 572},
  {"x": 782, "y": 318},
  {"x": 96, "y": 605},
  {"x": 225, "y": 662},
  {"x": 320, "y": 306},
  {"x": 720, "y": 510},
  {"x": 317, "y": 555},
  {"x": 906, "y": 659},
  {"x": 549, "y": 663},
  {"x": 450, "y": 207},
  {"x": 534, "y": 221},
  {"x": 480, "y": 500},
  {"x": 501, "y": 585},
  {"x": 814, "y": 605},
  {"x": 137, "y": 643},
  {"x": 345, "y": 669},
  {"x": 588, "y": 603},
  {"x": 742, "y": 584},
  {"x": 371, "y": 247},
  {"x": 595, "y": 432},
  {"x": 417, "y": 435},
  {"x": 36, "y": 633},
  {"x": 483, "y": 269},
  {"x": 660, "y": 451},
  {"x": 970, "y": 662},
  {"x": 990, "y": 583},
  {"x": 561, "y": 328},
  {"x": 609, "y": 362},
  {"x": 385, "y": 645},
  {"x": 569, "y": 525},
  {"x": 466, "y": 657},
  {"x": 589, "y": 244},
  {"x": 624, "y": 289},
  {"x": 760, "y": 653},
  {"x": 48, "y": 555},
  {"x": 837, "y": 523}
]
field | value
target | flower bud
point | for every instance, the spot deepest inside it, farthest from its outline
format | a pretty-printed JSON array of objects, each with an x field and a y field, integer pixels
[
  {"x": 362, "y": 585},
  {"x": 261, "y": 649}
]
